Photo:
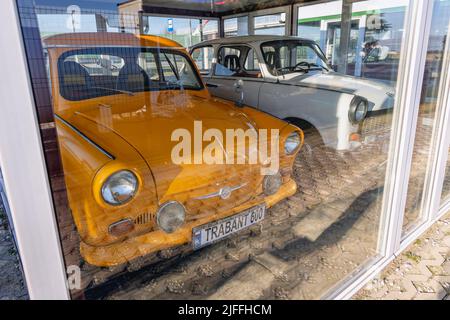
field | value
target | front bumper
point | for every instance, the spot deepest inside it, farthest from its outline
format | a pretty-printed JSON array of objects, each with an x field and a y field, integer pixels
[{"x": 151, "y": 242}]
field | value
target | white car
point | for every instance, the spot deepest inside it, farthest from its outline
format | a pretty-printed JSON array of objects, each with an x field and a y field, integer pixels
[{"x": 289, "y": 78}]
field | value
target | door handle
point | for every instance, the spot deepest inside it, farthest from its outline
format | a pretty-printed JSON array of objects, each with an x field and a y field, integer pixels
[{"x": 212, "y": 85}]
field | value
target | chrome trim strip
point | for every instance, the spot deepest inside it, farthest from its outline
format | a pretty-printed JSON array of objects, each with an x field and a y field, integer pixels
[
  {"x": 106, "y": 153},
  {"x": 220, "y": 192}
]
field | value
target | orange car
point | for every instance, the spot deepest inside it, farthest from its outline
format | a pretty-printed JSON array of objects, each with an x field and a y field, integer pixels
[{"x": 118, "y": 100}]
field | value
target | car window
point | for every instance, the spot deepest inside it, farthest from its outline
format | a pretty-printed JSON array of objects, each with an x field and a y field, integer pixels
[
  {"x": 231, "y": 62},
  {"x": 177, "y": 70},
  {"x": 305, "y": 53},
  {"x": 87, "y": 75},
  {"x": 203, "y": 57},
  {"x": 148, "y": 62},
  {"x": 252, "y": 62},
  {"x": 98, "y": 64},
  {"x": 291, "y": 56},
  {"x": 228, "y": 63},
  {"x": 90, "y": 73}
]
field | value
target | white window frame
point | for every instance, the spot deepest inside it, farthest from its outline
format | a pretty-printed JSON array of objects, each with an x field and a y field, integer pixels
[{"x": 24, "y": 169}]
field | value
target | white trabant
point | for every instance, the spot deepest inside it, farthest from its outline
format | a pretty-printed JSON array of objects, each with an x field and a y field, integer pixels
[{"x": 290, "y": 78}]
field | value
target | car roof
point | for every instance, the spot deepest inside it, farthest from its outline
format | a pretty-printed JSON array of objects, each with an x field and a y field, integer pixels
[
  {"x": 250, "y": 39},
  {"x": 99, "y": 39}
]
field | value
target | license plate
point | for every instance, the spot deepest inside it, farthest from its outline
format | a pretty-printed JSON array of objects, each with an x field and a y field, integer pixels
[{"x": 218, "y": 230}]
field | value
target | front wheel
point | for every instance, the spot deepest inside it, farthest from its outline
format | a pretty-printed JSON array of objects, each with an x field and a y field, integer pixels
[{"x": 313, "y": 139}]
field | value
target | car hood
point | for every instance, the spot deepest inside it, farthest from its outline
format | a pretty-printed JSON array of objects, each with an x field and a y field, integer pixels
[
  {"x": 147, "y": 124},
  {"x": 379, "y": 95}
]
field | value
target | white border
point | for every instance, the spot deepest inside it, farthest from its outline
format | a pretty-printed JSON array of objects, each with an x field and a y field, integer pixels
[{"x": 23, "y": 166}]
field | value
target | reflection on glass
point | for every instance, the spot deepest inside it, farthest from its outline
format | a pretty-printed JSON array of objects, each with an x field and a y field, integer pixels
[
  {"x": 236, "y": 26},
  {"x": 424, "y": 147},
  {"x": 376, "y": 33},
  {"x": 183, "y": 30},
  {"x": 446, "y": 188},
  {"x": 203, "y": 59},
  {"x": 273, "y": 24},
  {"x": 139, "y": 221}
]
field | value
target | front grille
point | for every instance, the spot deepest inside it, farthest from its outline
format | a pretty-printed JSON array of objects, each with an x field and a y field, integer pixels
[
  {"x": 144, "y": 218},
  {"x": 248, "y": 176}
]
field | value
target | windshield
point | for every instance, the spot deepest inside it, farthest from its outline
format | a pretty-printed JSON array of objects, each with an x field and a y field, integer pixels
[
  {"x": 91, "y": 73},
  {"x": 289, "y": 56}
]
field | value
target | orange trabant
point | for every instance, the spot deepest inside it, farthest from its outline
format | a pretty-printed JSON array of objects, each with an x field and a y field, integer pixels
[{"x": 143, "y": 148}]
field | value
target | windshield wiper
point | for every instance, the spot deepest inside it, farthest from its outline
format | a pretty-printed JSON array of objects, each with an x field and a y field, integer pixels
[
  {"x": 116, "y": 90},
  {"x": 289, "y": 70}
]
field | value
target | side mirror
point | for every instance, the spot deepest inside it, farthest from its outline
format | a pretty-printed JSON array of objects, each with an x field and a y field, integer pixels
[{"x": 239, "y": 88}]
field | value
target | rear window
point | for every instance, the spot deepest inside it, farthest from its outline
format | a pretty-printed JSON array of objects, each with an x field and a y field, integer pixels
[{"x": 91, "y": 73}]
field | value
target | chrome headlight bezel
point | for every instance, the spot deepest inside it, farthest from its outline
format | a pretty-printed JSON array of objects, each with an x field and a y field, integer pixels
[
  {"x": 108, "y": 195},
  {"x": 355, "y": 107},
  {"x": 292, "y": 143},
  {"x": 159, "y": 217}
]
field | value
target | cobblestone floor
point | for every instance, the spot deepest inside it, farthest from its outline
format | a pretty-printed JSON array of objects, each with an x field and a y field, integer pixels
[
  {"x": 12, "y": 286},
  {"x": 422, "y": 272}
]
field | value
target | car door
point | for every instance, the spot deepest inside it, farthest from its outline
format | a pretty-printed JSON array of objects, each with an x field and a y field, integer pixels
[{"x": 236, "y": 75}]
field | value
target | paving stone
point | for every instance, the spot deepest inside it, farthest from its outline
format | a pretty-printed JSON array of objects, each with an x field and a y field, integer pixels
[
  {"x": 318, "y": 221},
  {"x": 423, "y": 271},
  {"x": 12, "y": 286},
  {"x": 242, "y": 285}
]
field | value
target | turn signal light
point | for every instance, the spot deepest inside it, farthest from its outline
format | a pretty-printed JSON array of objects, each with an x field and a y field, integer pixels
[
  {"x": 355, "y": 137},
  {"x": 121, "y": 227}
]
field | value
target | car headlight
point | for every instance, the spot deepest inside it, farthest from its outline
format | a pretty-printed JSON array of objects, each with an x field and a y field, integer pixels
[
  {"x": 358, "y": 110},
  {"x": 171, "y": 216},
  {"x": 292, "y": 142},
  {"x": 271, "y": 184},
  {"x": 119, "y": 188}
]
